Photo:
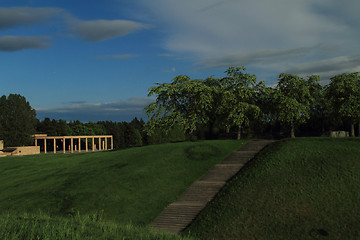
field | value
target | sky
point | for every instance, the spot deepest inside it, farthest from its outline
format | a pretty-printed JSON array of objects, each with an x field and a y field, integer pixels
[{"x": 95, "y": 60}]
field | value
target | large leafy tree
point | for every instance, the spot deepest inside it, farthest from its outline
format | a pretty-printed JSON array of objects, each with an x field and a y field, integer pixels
[
  {"x": 343, "y": 94},
  {"x": 294, "y": 99},
  {"x": 17, "y": 120},
  {"x": 237, "y": 102},
  {"x": 183, "y": 101},
  {"x": 194, "y": 103}
]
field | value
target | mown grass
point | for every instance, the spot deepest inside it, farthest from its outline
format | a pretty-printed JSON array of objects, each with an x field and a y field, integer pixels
[
  {"x": 130, "y": 186},
  {"x": 307, "y": 188}
]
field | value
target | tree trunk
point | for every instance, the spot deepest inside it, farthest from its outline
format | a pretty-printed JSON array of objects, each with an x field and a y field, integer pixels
[
  {"x": 239, "y": 133},
  {"x": 352, "y": 132},
  {"x": 292, "y": 131}
]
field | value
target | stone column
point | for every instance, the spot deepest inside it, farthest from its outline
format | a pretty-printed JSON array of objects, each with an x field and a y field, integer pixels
[
  {"x": 35, "y": 141},
  {"x": 44, "y": 145},
  {"x": 106, "y": 143},
  {"x": 54, "y": 145},
  {"x": 112, "y": 143},
  {"x": 86, "y": 144},
  {"x": 93, "y": 144},
  {"x": 99, "y": 143},
  {"x": 79, "y": 144}
]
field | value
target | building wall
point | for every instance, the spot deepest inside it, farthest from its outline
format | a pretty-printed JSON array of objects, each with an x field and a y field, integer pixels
[{"x": 28, "y": 150}]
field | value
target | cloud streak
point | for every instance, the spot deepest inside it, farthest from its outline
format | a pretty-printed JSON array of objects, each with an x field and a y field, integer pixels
[
  {"x": 99, "y": 30},
  {"x": 116, "y": 56},
  {"x": 15, "y": 16},
  {"x": 327, "y": 67},
  {"x": 113, "y": 111},
  {"x": 17, "y": 43},
  {"x": 263, "y": 57}
]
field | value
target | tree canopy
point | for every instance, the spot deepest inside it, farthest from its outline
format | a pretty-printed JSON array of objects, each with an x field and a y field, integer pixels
[
  {"x": 343, "y": 93},
  {"x": 17, "y": 120},
  {"x": 191, "y": 103},
  {"x": 294, "y": 99}
]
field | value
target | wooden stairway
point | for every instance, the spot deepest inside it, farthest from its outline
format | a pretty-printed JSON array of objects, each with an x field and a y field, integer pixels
[{"x": 179, "y": 214}]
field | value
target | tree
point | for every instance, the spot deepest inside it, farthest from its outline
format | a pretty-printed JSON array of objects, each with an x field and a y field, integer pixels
[
  {"x": 294, "y": 100},
  {"x": 183, "y": 101},
  {"x": 343, "y": 94},
  {"x": 228, "y": 101},
  {"x": 237, "y": 98},
  {"x": 17, "y": 120}
]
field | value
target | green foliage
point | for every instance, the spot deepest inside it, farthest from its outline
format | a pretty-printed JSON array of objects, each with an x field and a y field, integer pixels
[
  {"x": 17, "y": 120},
  {"x": 175, "y": 134},
  {"x": 183, "y": 101},
  {"x": 305, "y": 188},
  {"x": 237, "y": 101},
  {"x": 343, "y": 93},
  {"x": 193, "y": 103},
  {"x": 294, "y": 99}
]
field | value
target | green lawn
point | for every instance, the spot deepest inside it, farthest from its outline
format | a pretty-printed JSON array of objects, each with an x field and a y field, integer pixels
[
  {"x": 126, "y": 186},
  {"x": 306, "y": 188}
]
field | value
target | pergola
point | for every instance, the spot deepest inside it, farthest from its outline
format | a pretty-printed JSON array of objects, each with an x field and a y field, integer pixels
[{"x": 73, "y": 143}]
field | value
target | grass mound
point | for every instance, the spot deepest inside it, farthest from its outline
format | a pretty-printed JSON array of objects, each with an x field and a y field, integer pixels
[
  {"x": 305, "y": 188},
  {"x": 128, "y": 186}
]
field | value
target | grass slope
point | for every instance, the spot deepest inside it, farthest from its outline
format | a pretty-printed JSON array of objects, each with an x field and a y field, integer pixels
[
  {"x": 307, "y": 188},
  {"x": 127, "y": 186}
]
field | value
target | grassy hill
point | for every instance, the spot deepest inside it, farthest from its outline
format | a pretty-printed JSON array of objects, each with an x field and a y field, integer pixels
[
  {"x": 127, "y": 186},
  {"x": 306, "y": 188}
]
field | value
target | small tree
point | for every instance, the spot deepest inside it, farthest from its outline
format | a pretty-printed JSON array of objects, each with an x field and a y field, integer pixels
[{"x": 343, "y": 94}]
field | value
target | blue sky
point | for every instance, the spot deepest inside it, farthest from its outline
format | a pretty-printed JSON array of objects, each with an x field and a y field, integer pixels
[{"x": 95, "y": 60}]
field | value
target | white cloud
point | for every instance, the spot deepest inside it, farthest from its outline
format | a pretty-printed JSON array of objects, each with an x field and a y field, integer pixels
[
  {"x": 267, "y": 34},
  {"x": 98, "y": 30},
  {"x": 17, "y": 43}
]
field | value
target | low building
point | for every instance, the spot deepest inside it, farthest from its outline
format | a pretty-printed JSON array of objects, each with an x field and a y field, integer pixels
[
  {"x": 17, "y": 151},
  {"x": 63, "y": 144}
]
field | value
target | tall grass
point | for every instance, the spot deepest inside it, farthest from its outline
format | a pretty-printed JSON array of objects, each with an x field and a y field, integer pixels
[{"x": 78, "y": 227}]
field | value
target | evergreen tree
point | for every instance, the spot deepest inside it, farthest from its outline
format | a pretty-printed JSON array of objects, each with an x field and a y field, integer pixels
[{"x": 17, "y": 120}]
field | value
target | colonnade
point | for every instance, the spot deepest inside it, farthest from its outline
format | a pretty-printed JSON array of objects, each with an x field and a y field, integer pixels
[{"x": 74, "y": 143}]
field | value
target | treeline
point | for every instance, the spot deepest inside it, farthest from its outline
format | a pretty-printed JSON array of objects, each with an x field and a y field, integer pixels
[
  {"x": 125, "y": 134},
  {"x": 239, "y": 105},
  {"x": 235, "y": 106}
]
